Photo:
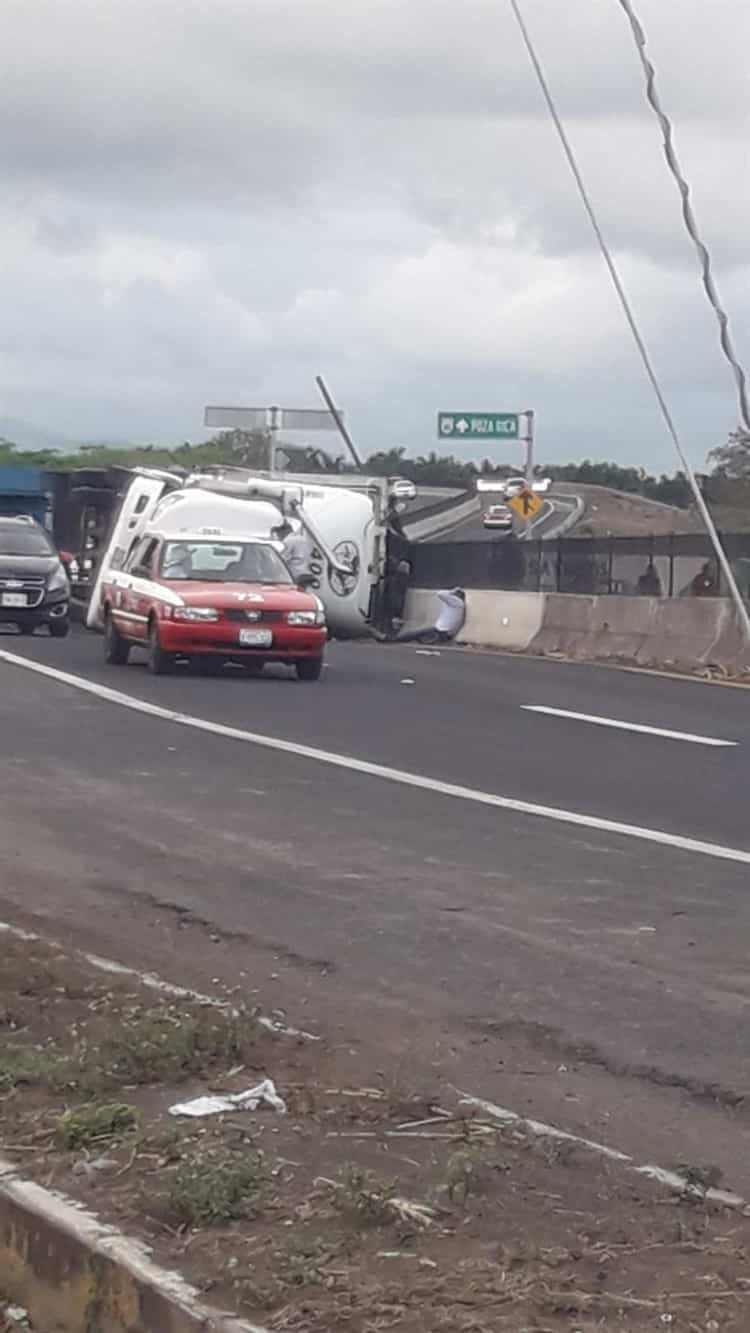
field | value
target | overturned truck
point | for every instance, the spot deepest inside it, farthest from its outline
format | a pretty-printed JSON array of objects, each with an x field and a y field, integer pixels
[{"x": 339, "y": 523}]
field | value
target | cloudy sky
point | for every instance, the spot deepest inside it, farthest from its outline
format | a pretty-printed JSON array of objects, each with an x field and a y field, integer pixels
[{"x": 214, "y": 200}]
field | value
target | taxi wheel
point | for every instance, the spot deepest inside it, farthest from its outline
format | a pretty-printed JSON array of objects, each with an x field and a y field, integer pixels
[
  {"x": 159, "y": 662},
  {"x": 309, "y": 668},
  {"x": 116, "y": 649}
]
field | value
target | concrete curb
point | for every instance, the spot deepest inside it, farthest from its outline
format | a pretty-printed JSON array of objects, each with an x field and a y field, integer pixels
[
  {"x": 443, "y": 521},
  {"x": 568, "y": 522},
  {"x": 73, "y": 1274}
]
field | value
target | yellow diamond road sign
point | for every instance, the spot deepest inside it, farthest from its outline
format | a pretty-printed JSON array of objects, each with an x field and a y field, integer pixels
[{"x": 526, "y": 504}]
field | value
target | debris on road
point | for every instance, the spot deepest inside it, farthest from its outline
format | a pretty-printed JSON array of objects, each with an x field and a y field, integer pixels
[{"x": 250, "y": 1100}]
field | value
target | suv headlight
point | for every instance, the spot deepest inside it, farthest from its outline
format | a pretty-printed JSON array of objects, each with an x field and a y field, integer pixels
[
  {"x": 58, "y": 580},
  {"x": 195, "y": 613},
  {"x": 305, "y": 618}
]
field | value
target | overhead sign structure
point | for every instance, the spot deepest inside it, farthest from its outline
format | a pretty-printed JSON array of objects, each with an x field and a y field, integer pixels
[
  {"x": 296, "y": 418},
  {"x": 236, "y": 418},
  {"x": 479, "y": 425},
  {"x": 269, "y": 418},
  {"x": 526, "y": 504}
]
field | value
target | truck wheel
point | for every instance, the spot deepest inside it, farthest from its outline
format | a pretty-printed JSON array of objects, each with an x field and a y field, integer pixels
[
  {"x": 116, "y": 649},
  {"x": 159, "y": 662},
  {"x": 309, "y": 668}
]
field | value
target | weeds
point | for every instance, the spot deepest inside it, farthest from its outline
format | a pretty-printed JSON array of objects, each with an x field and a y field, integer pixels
[
  {"x": 170, "y": 1042},
  {"x": 34, "y": 1066},
  {"x": 366, "y": 1198},
  {"x": 203, "y": 1192},
  {"x": 86, "y": 1124},
  {"x": 699, "y": 1180}
]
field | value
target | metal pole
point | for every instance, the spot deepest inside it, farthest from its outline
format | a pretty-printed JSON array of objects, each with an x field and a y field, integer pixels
[
  {"x": 334, "y": 411},
  {"x": 740, "y": 607},
  {"x": 529, "y": 447},
  {"x": 273, "y": 414}
]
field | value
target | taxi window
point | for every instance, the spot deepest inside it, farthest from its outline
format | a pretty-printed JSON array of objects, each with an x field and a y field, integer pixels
[
  {"x": 139, "y": 560},
  {"x": 223, "y": 562}
]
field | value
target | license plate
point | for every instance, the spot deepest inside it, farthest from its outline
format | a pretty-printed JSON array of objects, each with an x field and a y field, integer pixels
[
  {"x": 13, "y": 599},
  {"x": 255, "y": 638}
]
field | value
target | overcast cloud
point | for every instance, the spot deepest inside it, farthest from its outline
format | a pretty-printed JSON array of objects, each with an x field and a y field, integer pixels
[{"x": 214, "y": 200}]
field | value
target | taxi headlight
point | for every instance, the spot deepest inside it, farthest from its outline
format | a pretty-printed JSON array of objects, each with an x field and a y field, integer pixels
[
  {"x": 195, "y": 613},
  {"x": 303, "y": 618}
]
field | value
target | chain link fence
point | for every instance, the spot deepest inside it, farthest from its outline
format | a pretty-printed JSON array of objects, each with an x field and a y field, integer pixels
[{"x": 681, "y": 565}]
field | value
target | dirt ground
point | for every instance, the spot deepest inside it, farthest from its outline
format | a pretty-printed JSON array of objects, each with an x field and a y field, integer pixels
[
  {"x": 362, "y": 1208},
  {"x": 615, "y": 513}
]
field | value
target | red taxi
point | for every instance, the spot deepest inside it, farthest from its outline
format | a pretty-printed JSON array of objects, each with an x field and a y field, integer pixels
[{"x": 211, "y": 598}]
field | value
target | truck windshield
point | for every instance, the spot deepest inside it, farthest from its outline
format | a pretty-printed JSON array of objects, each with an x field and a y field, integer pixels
[
  {"x": 21, "y": 540},
  {"x": 223, "y": 562}
]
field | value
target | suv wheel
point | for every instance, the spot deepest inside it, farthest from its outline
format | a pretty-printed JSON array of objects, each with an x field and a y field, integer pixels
[
  {"x": 159, "y": 662},
  {"x": 59, "y": 629},
  {"x": 116, "y": 649}
]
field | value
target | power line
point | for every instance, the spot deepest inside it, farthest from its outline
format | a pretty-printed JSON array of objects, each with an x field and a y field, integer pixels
[
  {"x": 629, "y": 313},
  {"x": 691, "y": 224}
]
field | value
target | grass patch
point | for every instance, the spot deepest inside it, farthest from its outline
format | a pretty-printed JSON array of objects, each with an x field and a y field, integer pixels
[
  {"x": 170, "y": 1043},
  {"x": 34, "y": 1066},
  {"x": 203, "y": 1192},
  {"x": 95, "y": 1121}
]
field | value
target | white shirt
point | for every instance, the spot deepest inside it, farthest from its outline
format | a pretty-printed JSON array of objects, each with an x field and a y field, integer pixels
[
  {"x": 296, "y": 553},
  {"x": 452, "y": 613}
]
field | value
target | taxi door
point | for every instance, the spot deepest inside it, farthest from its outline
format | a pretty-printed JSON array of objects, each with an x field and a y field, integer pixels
[
  {"x": 132, "y": 597},
  {"x": 141, "y": 591}
]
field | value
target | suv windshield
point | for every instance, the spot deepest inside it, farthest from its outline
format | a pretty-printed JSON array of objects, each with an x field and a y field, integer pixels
[
  {"x": 223, "y": 562},
  {"x": 23, "y": 539}
]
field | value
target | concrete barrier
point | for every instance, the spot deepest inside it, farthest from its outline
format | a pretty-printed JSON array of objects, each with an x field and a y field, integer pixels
[
  {"x": 647, "y": 631},
  {"x": 509, "y": 620},
  {"x": 73, "y": 1274},
  {"x": 644, "y": 630}
]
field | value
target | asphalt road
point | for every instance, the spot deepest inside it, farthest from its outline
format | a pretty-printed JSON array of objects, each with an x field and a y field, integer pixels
[
  {"x": 555, "y": 510},
  {"x": 594, "y": 979}
]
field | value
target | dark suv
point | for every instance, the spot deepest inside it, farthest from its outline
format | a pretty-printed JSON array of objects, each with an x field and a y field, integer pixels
[{"x": 34, "y": 588}]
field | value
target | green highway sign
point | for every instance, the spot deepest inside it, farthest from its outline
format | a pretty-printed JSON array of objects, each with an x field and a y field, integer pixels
[{"x": 478, "y": 425}]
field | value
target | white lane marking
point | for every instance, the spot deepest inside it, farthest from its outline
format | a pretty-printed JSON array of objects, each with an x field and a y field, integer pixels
[
  {"x": 151, "y": 981},
  {"x": 539, "y": 1128},
  {"x": 404, "y": 779},
  {"x": 628, "y": 726}
]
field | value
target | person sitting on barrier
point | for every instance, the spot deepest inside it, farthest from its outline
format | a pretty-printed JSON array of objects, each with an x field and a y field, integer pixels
[
  {"x": 649, "y": 584},
  {"x": 704, "y": 584},
  {"x": 450, "y": 619}
]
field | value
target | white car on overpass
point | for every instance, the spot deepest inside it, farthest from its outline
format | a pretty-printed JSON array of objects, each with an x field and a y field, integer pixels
[{"x": 498, "y": 517}]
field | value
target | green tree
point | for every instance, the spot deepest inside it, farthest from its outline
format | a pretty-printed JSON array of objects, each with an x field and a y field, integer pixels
[{"x": 732, "y": 460}]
